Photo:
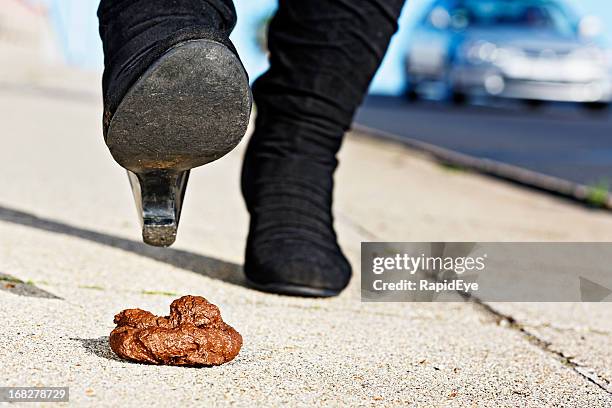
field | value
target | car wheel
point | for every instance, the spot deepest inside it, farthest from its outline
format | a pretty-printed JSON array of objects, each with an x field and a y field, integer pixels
[
  {"x": 597, "y": 106},
  {"x": 533, "y": 103},
  {"x": 410, "y": 93},
  {"x": 459, "y": 98}
]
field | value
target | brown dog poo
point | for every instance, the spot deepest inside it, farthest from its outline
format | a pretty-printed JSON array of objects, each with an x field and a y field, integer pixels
[{"x": 193, "y": 335}]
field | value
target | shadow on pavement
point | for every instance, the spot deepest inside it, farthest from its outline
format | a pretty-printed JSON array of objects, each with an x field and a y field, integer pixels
[
  {"x": 18, "y": 287},
  {"x": 101, "y": 348},
  {"x": 98, "y": 347},
  {"x": 200, "y": 264}
]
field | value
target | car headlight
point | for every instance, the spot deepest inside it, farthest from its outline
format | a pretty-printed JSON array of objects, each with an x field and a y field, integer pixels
[
  {"x": 589, "y": 54},
  {"x": 480, "y": 52},
  {"x": 486, "y": 52}
]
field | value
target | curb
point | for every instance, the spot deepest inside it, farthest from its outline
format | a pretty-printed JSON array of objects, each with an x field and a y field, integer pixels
[{"x": 553, "y": 185}]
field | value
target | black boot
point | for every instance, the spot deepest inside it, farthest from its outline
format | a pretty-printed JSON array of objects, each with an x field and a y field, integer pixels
[
  {"x": 323, "y": 56},
  {"x": 176, "y": 96}
]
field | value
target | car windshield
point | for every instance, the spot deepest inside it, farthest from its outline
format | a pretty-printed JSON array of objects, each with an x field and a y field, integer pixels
[{"x": 520, "y": 14}]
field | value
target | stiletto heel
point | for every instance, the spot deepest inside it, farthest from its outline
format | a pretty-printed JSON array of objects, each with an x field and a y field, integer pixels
[
  {"x": 190, "y": 107},
  {"x": 159, "y": 199}
]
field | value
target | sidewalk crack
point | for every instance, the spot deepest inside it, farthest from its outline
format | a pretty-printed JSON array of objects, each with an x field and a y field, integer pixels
[{"x": 568, "y": 361}]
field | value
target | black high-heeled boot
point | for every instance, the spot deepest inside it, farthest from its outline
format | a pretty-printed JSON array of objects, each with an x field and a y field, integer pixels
[
  {"x": 176, "y": 96},
  {"x": 323, "y": 55}
]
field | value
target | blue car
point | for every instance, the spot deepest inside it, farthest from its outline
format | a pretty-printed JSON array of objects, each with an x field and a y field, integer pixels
[{"x": 533, "y": 50}]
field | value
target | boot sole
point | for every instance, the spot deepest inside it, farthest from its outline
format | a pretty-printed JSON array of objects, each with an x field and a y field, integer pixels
[
  {"x": 292, "y": 290},
  {"x": 191, "y": 107}
]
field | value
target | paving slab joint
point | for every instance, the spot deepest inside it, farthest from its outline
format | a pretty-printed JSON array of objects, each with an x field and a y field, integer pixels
[{"x": 587, "y": 373}]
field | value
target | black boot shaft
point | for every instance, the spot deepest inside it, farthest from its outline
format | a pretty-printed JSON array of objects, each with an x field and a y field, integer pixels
[{"x": 135, "y": 33}]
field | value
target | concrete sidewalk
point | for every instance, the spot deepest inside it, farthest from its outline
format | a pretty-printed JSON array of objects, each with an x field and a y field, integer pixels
[{"x": 68, "y": 229}]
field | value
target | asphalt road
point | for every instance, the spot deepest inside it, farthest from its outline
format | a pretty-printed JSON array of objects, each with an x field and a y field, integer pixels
[{"x": 564, "y": 141}]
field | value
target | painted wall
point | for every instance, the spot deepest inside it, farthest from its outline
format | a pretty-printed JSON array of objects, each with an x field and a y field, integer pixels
[{"x": 76, "y": 24}]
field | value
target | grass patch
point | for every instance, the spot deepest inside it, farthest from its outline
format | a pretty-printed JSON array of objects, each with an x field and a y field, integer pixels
[
  {"x": 158, "y": 293},
  {"x": 92, "y": 287},
  {"x": 597, "y": 194},
  {"x": 10, "y": 279},
  {"x": 34, "y": 283},
  {"x": 453, "y": 168}
]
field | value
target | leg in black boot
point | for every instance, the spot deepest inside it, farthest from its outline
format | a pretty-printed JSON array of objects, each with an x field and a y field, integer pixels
[
  {"x": 324, "y": 54},
  {"x": 175, "y": 97}
]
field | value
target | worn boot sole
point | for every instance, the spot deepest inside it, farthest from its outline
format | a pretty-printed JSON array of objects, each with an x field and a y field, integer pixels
[
  {"x": 191, "y": 107},
  {"x": 292, "y": 290}
]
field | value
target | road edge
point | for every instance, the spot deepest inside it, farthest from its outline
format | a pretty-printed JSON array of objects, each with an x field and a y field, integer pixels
[{"x": 518, "y": 175}]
